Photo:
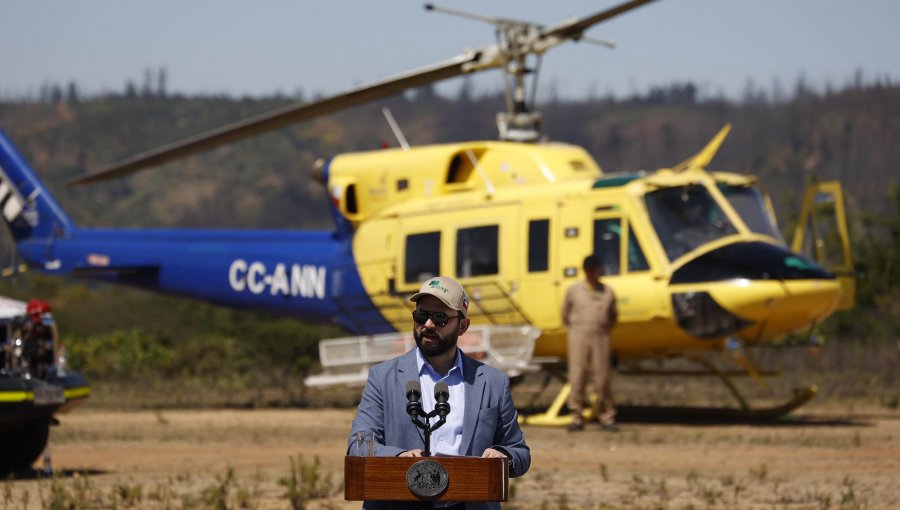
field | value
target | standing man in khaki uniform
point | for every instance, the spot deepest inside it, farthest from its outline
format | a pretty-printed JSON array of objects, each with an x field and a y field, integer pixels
[{"x": 589, "y": 313}]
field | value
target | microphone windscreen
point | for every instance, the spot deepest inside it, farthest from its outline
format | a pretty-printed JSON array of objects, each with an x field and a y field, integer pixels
[
  {"x": 414, "y": 386},
  {"x": 441, "y": 388}
]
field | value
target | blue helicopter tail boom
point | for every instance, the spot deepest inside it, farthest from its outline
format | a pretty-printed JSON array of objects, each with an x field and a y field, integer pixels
[{"x": 306, "y": 274}]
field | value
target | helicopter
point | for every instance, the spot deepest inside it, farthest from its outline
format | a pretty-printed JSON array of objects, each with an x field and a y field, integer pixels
[{"x": 694, "y": 256}]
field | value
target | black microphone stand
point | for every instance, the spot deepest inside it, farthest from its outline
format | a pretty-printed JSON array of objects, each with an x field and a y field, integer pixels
[{"x": 427, "y": 427}]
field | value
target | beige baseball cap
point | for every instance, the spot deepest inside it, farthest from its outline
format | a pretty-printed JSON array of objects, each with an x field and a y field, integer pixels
[{"x": 448, "y": 290}]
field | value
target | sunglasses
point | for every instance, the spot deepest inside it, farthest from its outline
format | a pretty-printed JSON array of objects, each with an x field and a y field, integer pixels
[{"x": 440, "y": 319}]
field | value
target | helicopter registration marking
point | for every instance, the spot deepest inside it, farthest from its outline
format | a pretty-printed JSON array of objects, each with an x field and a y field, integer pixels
[{"x": 303, "y": 280}]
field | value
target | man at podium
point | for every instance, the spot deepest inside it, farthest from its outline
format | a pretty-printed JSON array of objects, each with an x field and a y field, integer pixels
[{"x": 482, "y": 420}]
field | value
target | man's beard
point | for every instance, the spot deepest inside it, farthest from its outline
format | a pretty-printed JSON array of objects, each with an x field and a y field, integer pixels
[{"x": 443, "y": 344}]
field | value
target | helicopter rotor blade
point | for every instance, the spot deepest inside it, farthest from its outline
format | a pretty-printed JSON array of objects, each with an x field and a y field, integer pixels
[
  {"x": 494, "y": 56},
  {"x": 286, "y": 116},
  {"x": 574, "y": 29}
]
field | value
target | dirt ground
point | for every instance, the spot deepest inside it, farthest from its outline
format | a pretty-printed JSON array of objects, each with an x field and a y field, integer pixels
[{"x": 236, "y": 459}]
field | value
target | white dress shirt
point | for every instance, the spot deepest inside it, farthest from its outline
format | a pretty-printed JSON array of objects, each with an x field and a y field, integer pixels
[{"x": 447, "y": 439}]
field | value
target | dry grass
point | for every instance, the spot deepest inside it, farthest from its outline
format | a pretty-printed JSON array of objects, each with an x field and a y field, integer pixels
[
  {"x": 129, "y": 448},
  {"x": 251, "y": 459}
]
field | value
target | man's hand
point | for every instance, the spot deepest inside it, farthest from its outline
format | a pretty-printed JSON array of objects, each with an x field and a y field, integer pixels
[
  {"x": 414, "y": 453},
  {"x": 491, "y": 453}
]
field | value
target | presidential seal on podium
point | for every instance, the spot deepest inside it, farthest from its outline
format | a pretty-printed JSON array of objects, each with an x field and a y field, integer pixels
[{"x": 427, "y": 478}]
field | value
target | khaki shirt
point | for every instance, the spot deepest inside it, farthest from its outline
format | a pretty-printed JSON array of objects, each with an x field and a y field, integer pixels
[{"x": 586, "y": 308}]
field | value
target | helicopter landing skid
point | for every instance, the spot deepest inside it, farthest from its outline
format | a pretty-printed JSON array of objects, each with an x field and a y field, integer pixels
[
  {"x": 705, "y": 415},
  {"x": 557, "y": 414}
]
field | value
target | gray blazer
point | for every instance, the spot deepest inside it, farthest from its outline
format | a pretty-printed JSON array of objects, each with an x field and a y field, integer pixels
[{"x": 490, "y": 419}]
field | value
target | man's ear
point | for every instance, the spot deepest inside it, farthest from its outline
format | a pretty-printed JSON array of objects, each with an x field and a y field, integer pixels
[{"x": 463, "y": 325}]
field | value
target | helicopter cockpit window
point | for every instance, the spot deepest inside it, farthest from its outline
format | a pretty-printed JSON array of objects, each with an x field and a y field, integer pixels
[
  {"x": 423, "y": 256},
  {"x": 607, "y": 240},
  {"x": 685, "y": 218},
  {"x": 749, "y": 203},
  {"x": 477, "y": 251}
]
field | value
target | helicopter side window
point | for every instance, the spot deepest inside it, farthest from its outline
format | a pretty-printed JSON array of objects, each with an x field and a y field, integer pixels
[
  {"x": 352, "y": 208},
  {"x": 476, "y": 251},
  {"x": 538, "y": 245},
  {"x": 423, "y": 256},
  {"x": 636, "y": 259},
  {"x": 607, "y": 240},
  {"x": 685, "y": 218}
]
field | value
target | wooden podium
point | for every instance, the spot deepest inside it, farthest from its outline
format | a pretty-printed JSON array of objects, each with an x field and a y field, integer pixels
[{"x": 386, "y": 478}]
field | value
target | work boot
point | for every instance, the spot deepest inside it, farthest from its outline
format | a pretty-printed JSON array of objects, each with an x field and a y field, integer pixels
[
  {"x": 609, "y": 427},
  {"x": 576, "y": 426}
]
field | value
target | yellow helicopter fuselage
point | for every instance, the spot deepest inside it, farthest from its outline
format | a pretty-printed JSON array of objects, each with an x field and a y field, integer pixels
[{"x": 513, "y": 222}]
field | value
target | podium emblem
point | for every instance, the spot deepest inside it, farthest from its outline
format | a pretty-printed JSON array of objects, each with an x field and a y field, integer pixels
[{"x": 427, "y": 478}]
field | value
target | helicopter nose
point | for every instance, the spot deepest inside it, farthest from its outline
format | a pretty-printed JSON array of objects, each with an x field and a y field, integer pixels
[
  {"x": 784, "y": 305},
  {"x": 761, "y": 284},
  {"x": 753, "y": 310}
]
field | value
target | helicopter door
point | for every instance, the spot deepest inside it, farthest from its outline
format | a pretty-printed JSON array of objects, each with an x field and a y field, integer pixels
[
  {"x": 821, "y": 235},
  {"x": 639, "y": 294},
  {"x": 486, "y": 262},
  {"x": 628, "y": 270}
]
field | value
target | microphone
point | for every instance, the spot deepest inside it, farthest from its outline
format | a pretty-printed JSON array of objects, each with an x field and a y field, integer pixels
[
  {"x": 413, "y": 394},
  {"x": 441, "y": 396}
]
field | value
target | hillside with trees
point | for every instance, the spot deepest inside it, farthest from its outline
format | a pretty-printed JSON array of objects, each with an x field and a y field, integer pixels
[{"x": 848, "y": 134}]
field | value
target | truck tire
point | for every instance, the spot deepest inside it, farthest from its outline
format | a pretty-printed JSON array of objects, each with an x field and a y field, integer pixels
[{"x": 22, "y": 446}]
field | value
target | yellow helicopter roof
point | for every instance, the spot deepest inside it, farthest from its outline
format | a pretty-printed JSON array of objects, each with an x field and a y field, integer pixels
[{"x": 364, "y": 183}]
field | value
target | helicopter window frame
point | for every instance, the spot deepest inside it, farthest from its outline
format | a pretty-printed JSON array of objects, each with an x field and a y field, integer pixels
[
  {"x": 610, "y": 257},
  {"x": 634, "y": 252},
  {"x": 752, "y": 205},
  {"x": 424, "y": 248},
  {"x": 478, "y": 251},
  {"x": 822, "y": 241}
]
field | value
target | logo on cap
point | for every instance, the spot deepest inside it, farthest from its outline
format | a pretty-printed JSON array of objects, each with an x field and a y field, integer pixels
[{"x": 436, "y": 284}]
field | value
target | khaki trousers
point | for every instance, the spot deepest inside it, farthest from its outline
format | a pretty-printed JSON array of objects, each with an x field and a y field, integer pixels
[{"x": 589, "y": 352}]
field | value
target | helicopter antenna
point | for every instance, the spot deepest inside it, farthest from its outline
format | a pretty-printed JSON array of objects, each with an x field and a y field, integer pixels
[{"x": 395, "y": 128}]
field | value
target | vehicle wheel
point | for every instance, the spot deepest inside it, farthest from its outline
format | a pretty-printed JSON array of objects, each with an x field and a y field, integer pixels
[{"x": 22, "y": 446}]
